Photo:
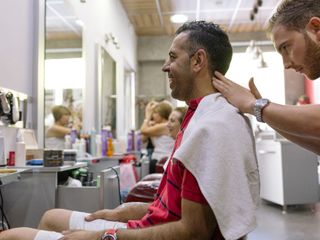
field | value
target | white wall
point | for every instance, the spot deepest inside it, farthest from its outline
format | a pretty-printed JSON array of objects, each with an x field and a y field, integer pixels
[
  {"x": 17, "y": 23},
  {"x": 102, "y": 17},
  {"x": 16, "y": 48}
]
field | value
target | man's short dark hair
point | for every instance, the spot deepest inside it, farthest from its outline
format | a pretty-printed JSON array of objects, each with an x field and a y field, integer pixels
[
  {"x": 294, "y": 14},
  {"x": 213, "y": 40}
]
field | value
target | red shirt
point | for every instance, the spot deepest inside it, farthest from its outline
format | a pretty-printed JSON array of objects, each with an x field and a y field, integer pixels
[{"x": 177, "y": 183}]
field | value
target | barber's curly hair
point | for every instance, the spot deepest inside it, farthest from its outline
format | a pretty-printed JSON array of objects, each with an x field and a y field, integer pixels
[
  {"x": 213, "y": 40},
  {"x": 294, "y": 14}
]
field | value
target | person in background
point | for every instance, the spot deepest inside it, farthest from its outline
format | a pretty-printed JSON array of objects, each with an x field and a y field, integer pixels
[
  {"x": 175, "y": 120},
  {"x": 55, "y": 135},
  {"x": 155, "y": 127},
  {"x": 210, "y": 188},
  {"x": 295, "y": 32}
]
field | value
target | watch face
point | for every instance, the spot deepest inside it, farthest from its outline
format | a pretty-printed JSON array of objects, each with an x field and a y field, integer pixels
[
  {"x": 109, "y": 237},
  {"x": 262, "y": 102}
]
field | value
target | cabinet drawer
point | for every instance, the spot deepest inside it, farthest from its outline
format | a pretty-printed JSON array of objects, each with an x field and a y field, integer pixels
[
  {"x": 90, "y": 199},
  {"x": 271, "y": 171},
  {"x": 84, "y": 199}
]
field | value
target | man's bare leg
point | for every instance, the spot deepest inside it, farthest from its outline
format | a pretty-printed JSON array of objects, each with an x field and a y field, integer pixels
[
  {"x": 22, "y": 233},
  {"x": 55, "y": 220}
]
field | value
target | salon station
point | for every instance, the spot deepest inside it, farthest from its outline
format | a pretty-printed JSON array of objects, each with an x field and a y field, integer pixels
[{"x": 101, "y": 60}]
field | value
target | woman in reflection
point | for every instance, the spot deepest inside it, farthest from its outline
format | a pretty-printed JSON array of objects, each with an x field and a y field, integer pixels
[
  {"x": 55, "y": 135},
  {"x": 175, "y": 120},
  {"x": 155, "y": 127},
  {"x": 174, "y": 126}
]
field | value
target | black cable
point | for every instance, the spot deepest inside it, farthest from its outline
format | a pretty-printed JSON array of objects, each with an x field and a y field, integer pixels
[
  {"x": 4, "y": 217},
  {"x": 118, "y": 178}
]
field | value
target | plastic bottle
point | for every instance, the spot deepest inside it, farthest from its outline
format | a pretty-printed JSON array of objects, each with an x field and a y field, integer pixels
[
  {"x": 138, "y": 141},
  {"x": 77, "y": 146},
  {"x": 73, "y": 135},
  {"x": 104, "y": 141},
  {"x": 3, "y": 160},
  {"x": 93, "y": 145},
  {"x": 110, "y": 145},
  {"x": 67, "y": 142},
  {"x": 82, "y": 148},
  {"x": 20, "y": 155},
  {"x": 98, "y": 145},
  {"x": 129, "y": 142}
]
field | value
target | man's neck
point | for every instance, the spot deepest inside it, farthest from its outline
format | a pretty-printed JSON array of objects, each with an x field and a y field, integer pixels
[{"x": 204, "y": 88}]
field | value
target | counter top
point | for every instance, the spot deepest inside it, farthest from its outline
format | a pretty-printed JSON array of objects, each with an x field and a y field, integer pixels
[
  {"x": 101, "y": 158},
  {"x": 10, "y": 175},
  {"x": 65, "y": 167}
]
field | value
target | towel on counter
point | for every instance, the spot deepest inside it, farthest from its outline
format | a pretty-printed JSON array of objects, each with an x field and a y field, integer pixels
[{"x": 218, "y": 149}]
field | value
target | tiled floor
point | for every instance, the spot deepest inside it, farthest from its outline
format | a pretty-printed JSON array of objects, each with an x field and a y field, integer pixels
[{"x": 299, "y": 223}]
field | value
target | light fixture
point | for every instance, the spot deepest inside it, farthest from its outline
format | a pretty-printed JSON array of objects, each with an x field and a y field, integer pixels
[
  {"x": 256, "y": 55},
  {"x": 179, "y": 18},
  {"x": 255, "y": 9},
  {"x": 110, "y": 38}
]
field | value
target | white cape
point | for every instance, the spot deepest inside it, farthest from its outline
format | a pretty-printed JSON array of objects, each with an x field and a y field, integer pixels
[{"x": 218, "y": 149}]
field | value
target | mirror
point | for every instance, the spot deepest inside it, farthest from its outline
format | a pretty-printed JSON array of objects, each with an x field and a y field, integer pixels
[
  {"x": 108, "y": 93},
  {"x": 64, "y": 77}
]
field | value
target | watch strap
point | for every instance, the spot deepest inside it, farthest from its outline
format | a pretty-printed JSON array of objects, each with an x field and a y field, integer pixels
[
  {"x": 259, "y": 105},
  {"x": 109, "y": 234}
]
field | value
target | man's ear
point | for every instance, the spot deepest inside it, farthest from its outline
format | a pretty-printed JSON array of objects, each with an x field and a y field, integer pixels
[
  {"x": 199, "y": 60},
  {"x": 313, "y": 26}
]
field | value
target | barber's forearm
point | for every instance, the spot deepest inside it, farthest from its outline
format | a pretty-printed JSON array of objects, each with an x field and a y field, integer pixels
[
  {"x": 303, "y": 121},
  {"x": 311, "y": 144}
]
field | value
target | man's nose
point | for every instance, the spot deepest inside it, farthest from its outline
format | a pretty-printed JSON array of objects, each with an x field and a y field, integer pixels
[
  {"x": 287, "y": 62},
  {"x": 165, "y": 67}
]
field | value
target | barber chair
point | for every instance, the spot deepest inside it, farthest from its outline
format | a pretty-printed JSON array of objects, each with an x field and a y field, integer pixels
[
  {"x": 143, "y": 191},
  {"x": 160, "y": 164}
]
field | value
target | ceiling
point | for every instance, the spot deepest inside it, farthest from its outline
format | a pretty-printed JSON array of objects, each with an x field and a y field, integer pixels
[
  {"x": 152, "y": 17},
  {"x": 61, "y": 22}
]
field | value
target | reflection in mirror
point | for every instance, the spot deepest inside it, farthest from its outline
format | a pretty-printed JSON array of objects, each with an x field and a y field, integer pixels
[
  {"x": 64, "y": 73},
  {"x": 108, "y": 91}
]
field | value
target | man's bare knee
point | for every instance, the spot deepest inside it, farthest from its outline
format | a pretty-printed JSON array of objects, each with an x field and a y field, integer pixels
[
  {"x": 18, "y": 234},
  {"x": 55, "y": 220}
]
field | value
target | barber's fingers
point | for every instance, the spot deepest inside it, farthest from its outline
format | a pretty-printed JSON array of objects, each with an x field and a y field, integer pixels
[
  {"x": 254, "y": 90},
  {"x": 223, "y": 84},
  {"x": 220, "y": 83},
  {"x": 96, "y": 215},
  {"x": 219, "y": 77}
]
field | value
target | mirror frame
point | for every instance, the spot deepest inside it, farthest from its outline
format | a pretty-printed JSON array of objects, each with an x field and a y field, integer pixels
[{"x": 38, "y": 85}]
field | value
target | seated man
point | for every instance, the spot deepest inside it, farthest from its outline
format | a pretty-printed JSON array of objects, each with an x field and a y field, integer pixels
[{"x": 210, "y": 187}]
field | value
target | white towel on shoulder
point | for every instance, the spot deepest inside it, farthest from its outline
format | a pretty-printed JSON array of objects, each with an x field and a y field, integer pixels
[{"x": 218, "y": 149}]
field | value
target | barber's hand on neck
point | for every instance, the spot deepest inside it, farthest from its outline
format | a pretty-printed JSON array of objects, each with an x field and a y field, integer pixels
[{"x": 237, "y": 95}]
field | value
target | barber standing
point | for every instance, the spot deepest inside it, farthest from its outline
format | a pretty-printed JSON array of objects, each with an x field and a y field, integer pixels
[{"x": 295, "y": 32}]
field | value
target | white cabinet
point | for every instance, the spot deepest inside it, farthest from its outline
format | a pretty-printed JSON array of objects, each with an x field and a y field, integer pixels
[{"x": 288, "y": 173}]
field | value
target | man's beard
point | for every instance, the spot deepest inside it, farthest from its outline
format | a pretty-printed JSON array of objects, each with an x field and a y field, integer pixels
[{"x": 312, "y": 58}]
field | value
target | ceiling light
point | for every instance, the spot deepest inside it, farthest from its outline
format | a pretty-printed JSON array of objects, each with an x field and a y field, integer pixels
[{"x": 179, "y": 18}]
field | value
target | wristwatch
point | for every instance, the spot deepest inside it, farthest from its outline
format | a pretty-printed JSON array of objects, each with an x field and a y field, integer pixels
[
  {"x": 110, "y": 234},
  {"x": 259, "y": 105}
]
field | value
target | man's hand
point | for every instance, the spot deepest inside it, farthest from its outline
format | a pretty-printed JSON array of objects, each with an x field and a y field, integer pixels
[
  {"x": 237, "y": 95},
  {"x": 105, "y": 214},
  {"x": 81, "y": 235}
]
